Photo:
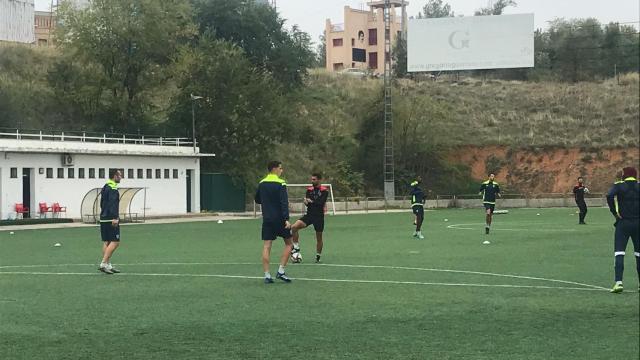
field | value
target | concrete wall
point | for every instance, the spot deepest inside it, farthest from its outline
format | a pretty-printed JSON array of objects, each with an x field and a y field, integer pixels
[{"x": 163, "y": 197}]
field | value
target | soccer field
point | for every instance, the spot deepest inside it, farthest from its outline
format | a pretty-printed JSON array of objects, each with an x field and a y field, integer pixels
[{"x": 195, "y": 291}]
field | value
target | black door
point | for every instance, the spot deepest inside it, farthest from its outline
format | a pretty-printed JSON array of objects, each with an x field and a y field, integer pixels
[
  {"x": 189, "y": 191},
  {"x": 26, "y": 191}
]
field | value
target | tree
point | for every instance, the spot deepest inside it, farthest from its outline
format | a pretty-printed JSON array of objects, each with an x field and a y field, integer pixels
[
  {"x": 260, "y": 32},
  {"x": 242, "y": 113},
  {"x": 435, "y": 9},
  {"x": 321, "y": 52},
  {"x": 399, "y": 56},
  {"x": 128, "y": 45},
  {"x": 496, "y": 8}
]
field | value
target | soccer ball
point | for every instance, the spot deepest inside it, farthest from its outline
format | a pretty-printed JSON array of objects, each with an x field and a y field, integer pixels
[{"x": 296, "y": 257}]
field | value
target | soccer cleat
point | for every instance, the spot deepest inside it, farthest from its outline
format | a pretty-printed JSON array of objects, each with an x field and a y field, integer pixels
[
  {"x": 617, "y": 289},
  {"x": 283, "y": 277},
  {"x": 317, "y": 258},
  {"x": 106, "y": 270},
  {"x": 268, "y": 280},
  {"x": 420, "y": 236},
  {"x": 114, "y": 270}
]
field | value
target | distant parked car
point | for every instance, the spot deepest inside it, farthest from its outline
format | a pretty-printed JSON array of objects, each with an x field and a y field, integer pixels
[{"x": 355, "y": 72}]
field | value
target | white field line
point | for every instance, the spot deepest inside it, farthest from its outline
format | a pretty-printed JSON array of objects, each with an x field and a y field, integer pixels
[{"x": 325, "y": 265}]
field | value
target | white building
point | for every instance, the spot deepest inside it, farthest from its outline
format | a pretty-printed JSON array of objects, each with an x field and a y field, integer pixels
[
  {"x": 36, "y": 168},
  {"x": 17, "y": 21}
]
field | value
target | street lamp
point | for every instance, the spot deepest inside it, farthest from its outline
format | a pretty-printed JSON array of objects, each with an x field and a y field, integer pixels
[{"x": 194, "y": 98}]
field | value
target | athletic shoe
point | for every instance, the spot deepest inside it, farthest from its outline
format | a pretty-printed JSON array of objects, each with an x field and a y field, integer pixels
[
  {"x": 114, "y": 270},
  {"x": 282, "y": 277},
  {"x": 317, "y": 258},
  {"x": 617, "y": 289},
  {"x": 415, "y": 235},
  {"x": 268, "y": 280},
  {"x": 420, "y": 236},
  {"x": 582, "y": 223},
  {"x": 486, "y": 230},
  {"x": 106, "y": 270}
]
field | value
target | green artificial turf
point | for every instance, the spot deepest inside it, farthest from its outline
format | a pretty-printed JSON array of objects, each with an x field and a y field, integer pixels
[{"x": 195, "y": 291}]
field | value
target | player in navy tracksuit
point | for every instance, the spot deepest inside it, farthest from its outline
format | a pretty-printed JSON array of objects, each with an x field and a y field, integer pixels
[
  {"x": 272, "y": 195},
  {"x": 417, "y": 206},
  {"x": 315, "y": 200},
  {"x": 110, "y": 220},
  {"x": 624, "y": 203}
]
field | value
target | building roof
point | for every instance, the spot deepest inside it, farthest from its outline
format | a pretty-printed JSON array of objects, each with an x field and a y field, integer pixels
[{"x": 75, "y": 144}]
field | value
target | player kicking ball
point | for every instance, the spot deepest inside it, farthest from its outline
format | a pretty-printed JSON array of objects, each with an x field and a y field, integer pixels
[{"x": 315, "y": 200}]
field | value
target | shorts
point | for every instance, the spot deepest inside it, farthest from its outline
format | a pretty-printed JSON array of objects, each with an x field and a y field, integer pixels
[
  {"x": 109, "y": 232},
  {"x": 488, "y": 206},
  {"x": 271, "y": 230},
  {"x": 418, "y": 210},
  {"x": 316, "y": 220}
]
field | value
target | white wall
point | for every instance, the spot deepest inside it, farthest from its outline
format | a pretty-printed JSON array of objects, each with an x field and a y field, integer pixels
[{"x": 164, "y": 196}]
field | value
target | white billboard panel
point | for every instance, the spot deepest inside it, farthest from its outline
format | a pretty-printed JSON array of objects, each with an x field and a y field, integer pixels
[
  {"x": 17, "y": 21},
  {"x": 468, "y": 43}
]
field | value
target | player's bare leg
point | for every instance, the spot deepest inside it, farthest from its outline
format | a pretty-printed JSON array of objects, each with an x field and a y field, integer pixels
[
  {"x": 319, "y": 245},
  {"x": 488, "y": 221},
  {"x": 266, "y": 254},
  {"x": 295, "y": 228},
  {"x": 109, "y": 249},
  {"x": 284, "y": 258}
]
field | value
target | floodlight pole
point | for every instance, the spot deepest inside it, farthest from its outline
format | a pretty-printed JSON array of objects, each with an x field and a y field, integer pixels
[
  {"x": 194, "y": 98},
  {"x": 389, "y": 173}
]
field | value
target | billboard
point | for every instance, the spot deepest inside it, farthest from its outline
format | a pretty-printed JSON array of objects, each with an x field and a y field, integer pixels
[
  {"x": 469, "y": 43},
  {"x": 17, "y": 21}
]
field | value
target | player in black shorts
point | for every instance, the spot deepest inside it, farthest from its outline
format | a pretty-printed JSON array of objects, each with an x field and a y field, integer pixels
[
  {"x": 417, "y": 207},
  {"x": 315, "y": 200},
  {"x": 110, "y": 221},
  {"x": 272, "y": 195},
  {"x": 489, "y": 190}
]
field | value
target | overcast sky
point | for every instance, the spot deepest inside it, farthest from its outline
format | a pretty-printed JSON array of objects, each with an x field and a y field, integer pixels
[{"x": 310, "y": 15}]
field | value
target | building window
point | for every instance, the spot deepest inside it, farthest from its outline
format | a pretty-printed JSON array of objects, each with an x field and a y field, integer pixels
[
  {"x": 14, "y": 173},
  {"x": 337, "y": 42},
  {"x": 81, "y": 173},
  {"x": 101, "y": 173},
  {"x": 149, "y": 174},
  {"x": 175, "y": 173},
  {"x": 373, "y": 36},
  {"x": 92, "y": 173},
  {"x": 71, "y": 173},
  {"x": 373, "y": 60},
  {"x": 49, "y": 173},
  {"x": 130, "y": 173},
  {"x": 60, "y": 173},
  {"x": 166, "y": 173},
  {"x": 140, "y": 173},
  {"x": 158, "y": 174}
]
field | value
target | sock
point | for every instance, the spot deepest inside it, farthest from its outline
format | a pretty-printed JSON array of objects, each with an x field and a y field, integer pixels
[
  {"x": 296, "y": 246},
  {"x": 267, "y": 275},
  {"x": 487, "y": 226},
  {"x": 618, "y": 282},
  {"x": 281, "y": 269},
  {"x": 103, "y": 264},
  {"x": 619, "y": 267},
  {"x": 318, "y": 254}
]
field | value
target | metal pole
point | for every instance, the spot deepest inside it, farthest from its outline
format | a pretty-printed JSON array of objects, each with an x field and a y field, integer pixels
[{"x": 193, "y": 123}]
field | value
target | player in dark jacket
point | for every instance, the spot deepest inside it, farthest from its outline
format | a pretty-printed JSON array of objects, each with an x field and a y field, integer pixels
[
  {"x": 272, "y": 195},
  {"x": 315, "y": 200},
  {"x": 489, "y": 190},
  {"x": 624, "y": 203},
  {"x": 578, "y": 193},
  {"x": 110, "y": 220},
  {"x": 417, "y": 206}
]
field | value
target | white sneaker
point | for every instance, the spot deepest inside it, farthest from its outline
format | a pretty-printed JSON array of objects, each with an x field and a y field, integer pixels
[{"x": 420, "y": 236}]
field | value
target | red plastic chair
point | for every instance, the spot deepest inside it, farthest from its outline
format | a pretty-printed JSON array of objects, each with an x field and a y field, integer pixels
[
  {"x": 57, "y": 209},
  {"x": 44, "y": 209},
  {"x": 21, "y": 210}
]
